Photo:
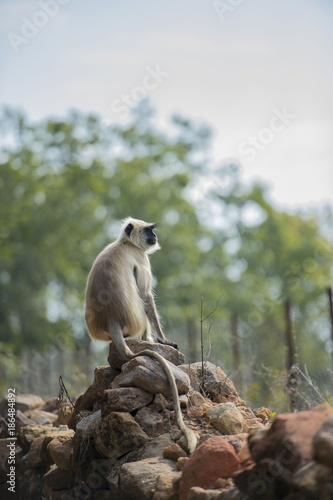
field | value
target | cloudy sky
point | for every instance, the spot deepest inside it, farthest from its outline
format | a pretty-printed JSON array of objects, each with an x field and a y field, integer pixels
[{"x": 259, "y": 72}]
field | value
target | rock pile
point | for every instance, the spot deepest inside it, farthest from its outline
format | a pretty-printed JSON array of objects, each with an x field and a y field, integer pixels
[{"x": 121, "y": 440}]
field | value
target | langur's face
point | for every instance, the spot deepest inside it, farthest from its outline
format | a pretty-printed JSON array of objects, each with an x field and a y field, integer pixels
[
  {"x": 150, "y": 235},
  {"x": 142, "y": 235}
]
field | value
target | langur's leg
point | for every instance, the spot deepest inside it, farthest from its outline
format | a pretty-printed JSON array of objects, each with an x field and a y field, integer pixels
[
  {"x": 117, "y": 337},
  {"x": 155, "y": 323}
]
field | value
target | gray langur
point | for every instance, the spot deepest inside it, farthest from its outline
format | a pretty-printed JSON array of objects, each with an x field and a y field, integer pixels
[{"x": 120, "y": 303}]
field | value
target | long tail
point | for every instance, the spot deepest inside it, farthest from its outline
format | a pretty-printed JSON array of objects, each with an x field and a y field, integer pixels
[{"x": 191, "y": 437}]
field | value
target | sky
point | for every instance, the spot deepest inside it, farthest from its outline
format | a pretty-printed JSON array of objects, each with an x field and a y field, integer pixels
[{"x": 258, "y": 72}]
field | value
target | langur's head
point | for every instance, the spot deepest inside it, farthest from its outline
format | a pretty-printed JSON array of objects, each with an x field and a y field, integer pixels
[{"x": 141, "y": 234}]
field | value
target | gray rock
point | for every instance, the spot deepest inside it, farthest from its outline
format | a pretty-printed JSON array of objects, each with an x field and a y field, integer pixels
[
  {"x": 117, "y": 434},
  {"x": 87, "y": 426},
  {"x": 149, "y": 375},
  {"x": 156, "y": 446},
  {"x": 125, "y": 399},
  {"x": 138, "y": 479},
  {"x": 226, "y": 418},
  {"x": 168, "y": 352},
  {"x": 150, "y": 421},
  {"x": 216, "y": 382}
]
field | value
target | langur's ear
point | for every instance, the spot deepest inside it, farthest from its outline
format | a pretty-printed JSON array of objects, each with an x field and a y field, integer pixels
[{"x": 129, "y": 229}]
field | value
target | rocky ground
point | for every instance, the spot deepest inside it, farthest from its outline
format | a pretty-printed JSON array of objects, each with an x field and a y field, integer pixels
[{"x": 121, "y": 440}]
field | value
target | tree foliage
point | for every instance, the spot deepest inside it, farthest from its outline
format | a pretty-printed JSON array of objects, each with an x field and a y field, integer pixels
[{"x": 66, "y": 184}]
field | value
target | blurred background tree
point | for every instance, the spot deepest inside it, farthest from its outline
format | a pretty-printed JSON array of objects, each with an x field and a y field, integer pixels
[{"x": 67, "y": 184}]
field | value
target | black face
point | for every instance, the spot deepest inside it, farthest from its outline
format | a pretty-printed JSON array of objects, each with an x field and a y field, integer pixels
[{"x": 151, "y": 236}]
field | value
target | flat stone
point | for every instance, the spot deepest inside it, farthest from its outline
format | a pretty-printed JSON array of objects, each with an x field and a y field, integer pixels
[
  {"x": 125, "y": 399},
  {"x": 149, "y": 375},
  {"x": 166, "y": 351}
]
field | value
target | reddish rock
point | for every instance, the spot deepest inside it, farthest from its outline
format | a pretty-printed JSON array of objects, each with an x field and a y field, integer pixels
[
  {"x": 289, "y": 439},
  {"x": 213, "y": 459},
  {"x": 84, "y": 402}
]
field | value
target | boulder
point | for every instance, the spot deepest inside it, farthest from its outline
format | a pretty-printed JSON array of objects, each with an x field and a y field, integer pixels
[
  {"x": 149, "y": 375},
  {"x": 213, "y": 459},
  {"x": 125, "y": 399},
  {"x": 226, "y": 418},
  {"x": 166, "y": 351},
  {"x": 117, "y": 434},
  {"x": 138, "y": 479},
  {"x": 288, "y": 440}
]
